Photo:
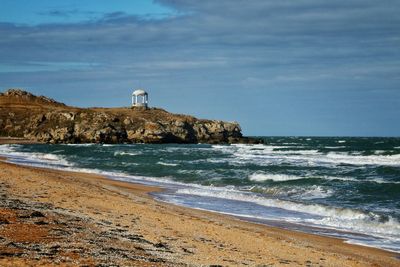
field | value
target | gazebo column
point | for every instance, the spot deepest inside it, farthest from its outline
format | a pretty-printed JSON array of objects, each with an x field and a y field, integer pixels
[{"x": 140, "y": 98}]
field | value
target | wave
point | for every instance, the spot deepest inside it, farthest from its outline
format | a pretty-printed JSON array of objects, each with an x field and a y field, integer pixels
[
  {"x": 373, "y": 180},
  {"x": 310, "y": 192},
  {"x": 167, "y": 164},
  {"x": 300, "y": 193},
  {"x": 338, "y": 218},
  {"x": 89, "y": 144},
  {"x": 47, "y": 158},
  {"x": 290, "y": 143},
  {"x": 124, "y": 153},
  {"x": 274, "y": 150},
  {"x": 389, "y": 160},
  {"x": 301, "y": 152},
  {"x": 52, "y": 161},
  {"x": 266, "y": 155},
  {"x": 261, "y": 177},
  {"x": 233, "y": 194}
]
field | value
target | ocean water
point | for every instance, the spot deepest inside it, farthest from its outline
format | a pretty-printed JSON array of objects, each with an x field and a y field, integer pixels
[{"x": 335, "y": 186}]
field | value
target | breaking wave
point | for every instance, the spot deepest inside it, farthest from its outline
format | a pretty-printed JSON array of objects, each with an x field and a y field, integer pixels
[
  {"x": 50, "y": 159},
  {"x": 260, "y": 177},
  {"x": 266, "y": 155},
  {"x": 167, "y": 164},
  {"x": 338, "y": 218},
  {"x": 124, "y": 153}
]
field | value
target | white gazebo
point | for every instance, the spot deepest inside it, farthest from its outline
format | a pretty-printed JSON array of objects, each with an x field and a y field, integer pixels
[{"x": 140, "y": 98}]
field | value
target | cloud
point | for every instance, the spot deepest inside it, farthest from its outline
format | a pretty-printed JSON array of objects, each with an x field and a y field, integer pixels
[
  {"x": 62, "y": 13},
  {"x": 259, "y": 34},
  {"x": 220, "y": 46},
  {"x": 44, "y": 67}
]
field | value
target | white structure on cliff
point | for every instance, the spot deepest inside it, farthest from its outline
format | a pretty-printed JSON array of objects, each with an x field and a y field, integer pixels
[{"x": 140, "y": 98}]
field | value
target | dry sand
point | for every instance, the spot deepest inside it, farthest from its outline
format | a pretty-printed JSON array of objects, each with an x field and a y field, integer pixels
[{"x": 50, "y": 217}]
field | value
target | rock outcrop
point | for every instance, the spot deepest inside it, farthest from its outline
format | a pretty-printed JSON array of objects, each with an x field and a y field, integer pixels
[{"x": 42, "y": 119}]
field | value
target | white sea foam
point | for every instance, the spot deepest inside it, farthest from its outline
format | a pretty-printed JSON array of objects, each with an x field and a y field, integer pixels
[
  {"x": 51, "y": 157},
  {"x": 290, "y": 143},
  {"x": 391, "y": 160},
  {"x": 233, "y": 194},
  {"x": 299, "y": 152},
  {"x": 299, "y": 193},
  {"x": 310, "y": 192},
  {"x": 351, "y": 179},
  {"x": 337, "y": 218},
  {"x": 56, "y": 162},
  {"x": 341, "y": 141},
  {"x": 214, "y": 160},
  {"x": 167, "y": 164},
  {"x": 265, "y": 155},
  {"x": 260, "y": 177},
  {"x": 79, "y": 144},
  {"x": 220, "y": 146},
  {"x": 47, "y": 158},
  {"x": 124, "y": 153},
  {"x": 58, "y": 151}
]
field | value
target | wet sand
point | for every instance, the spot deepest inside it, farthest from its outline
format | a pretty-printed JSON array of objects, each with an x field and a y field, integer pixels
[{"x": 50, "y": 217}]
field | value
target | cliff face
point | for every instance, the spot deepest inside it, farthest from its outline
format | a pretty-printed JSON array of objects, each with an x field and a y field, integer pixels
[{"x": 45, "y": 120}]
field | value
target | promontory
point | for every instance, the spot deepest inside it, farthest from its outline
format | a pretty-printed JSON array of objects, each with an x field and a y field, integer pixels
[{"x": 42, "y": 119}]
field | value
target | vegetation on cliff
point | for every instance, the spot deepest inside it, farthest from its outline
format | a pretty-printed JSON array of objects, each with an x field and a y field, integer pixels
[{"x": 42, "y": 119}]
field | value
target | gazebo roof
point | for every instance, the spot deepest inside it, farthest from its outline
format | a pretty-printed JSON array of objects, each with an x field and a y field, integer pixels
[{"x": 139, "y": 92}]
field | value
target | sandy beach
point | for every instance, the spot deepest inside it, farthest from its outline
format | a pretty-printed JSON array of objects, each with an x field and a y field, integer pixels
[{"x": 50, "y": 217}]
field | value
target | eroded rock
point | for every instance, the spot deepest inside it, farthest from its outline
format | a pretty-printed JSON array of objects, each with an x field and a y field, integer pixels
[{"x": 45, "y": 120}]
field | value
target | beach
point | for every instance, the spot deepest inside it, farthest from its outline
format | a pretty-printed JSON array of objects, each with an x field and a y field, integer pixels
[{"x": 53, "y": 217}]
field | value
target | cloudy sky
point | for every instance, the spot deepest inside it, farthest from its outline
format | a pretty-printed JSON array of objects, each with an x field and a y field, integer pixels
[{"x": 287, "y": 67}]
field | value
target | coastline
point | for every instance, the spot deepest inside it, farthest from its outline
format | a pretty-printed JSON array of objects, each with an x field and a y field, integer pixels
[{"x": 146, "y": 231}]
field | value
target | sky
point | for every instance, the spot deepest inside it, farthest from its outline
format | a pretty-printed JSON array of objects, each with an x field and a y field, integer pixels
[{"x": 288, "y": 67}]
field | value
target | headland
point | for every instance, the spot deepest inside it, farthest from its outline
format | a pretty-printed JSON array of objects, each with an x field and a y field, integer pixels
[{"x": 41, "y": 119}]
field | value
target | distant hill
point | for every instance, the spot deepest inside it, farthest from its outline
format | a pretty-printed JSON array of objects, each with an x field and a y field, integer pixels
[{"x": 42, "y": 119}]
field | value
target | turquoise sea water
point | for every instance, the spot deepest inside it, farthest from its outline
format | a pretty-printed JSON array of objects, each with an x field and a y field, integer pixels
[{"x": 338, "y": 186}]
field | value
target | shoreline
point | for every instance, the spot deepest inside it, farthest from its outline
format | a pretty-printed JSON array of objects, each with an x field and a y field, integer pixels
[{"x": 198, "y": 241}]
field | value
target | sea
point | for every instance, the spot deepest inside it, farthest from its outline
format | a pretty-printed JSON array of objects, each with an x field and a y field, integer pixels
[{"x": 345, "y": 187}]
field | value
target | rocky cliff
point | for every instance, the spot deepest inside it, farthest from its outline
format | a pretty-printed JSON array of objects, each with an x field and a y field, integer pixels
[{"x": 42, "y": 119}]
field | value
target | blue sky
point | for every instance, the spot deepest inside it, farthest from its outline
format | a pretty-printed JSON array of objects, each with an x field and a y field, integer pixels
[
  {"x": 75, "y": 11},
  {"x": 289, "y": 67}
]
